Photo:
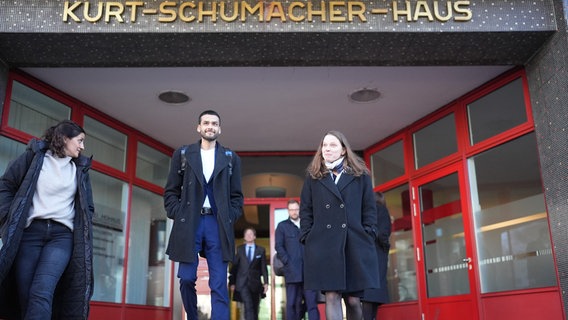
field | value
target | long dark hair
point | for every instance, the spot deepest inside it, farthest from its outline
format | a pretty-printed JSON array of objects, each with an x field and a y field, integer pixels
[
  {"x": 55, "y": 136},
  {"x": 352, "y": 163}
]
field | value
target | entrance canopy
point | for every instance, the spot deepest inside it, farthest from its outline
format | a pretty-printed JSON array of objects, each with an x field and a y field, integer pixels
[
  {"x": 272, "y": 33},
  {"x": 288, "y": 66}
]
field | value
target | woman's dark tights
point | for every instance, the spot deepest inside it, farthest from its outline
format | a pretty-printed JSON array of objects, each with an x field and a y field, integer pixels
[
  {"x": 353, "y": 308},
  {"x": 370, "y": 310},
  {"x": 333, "y": 310}
]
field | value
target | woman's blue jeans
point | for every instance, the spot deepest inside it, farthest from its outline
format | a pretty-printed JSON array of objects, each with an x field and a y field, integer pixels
[{"x": 43, "y": 255}]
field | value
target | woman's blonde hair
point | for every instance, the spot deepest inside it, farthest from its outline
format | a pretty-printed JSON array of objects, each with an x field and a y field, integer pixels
[{"x": 352, "y": 163}]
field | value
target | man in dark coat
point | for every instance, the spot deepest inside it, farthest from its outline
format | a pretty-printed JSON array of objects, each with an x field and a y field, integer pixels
[
  {"x": 249, "y": 274},
  {"x": 291, "y": 252},
  {"x": 17, "y": 188},
  {"x": 203, "y": 196}
]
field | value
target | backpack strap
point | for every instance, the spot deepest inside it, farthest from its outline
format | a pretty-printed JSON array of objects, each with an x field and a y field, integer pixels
[
  {"x": 183, "y": 160},
  {"x": 229, "y": 155}
]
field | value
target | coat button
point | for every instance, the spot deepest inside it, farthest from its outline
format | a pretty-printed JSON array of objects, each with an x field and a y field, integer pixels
[
  {"x": 182, "y": 220},
  {"x": 188, "y": 203},
  {"x": 327, "y": 206},
  {"x": 342, "y": 206},
  {"x": 344, "y": 225},
  {"x": 328, "y": 226}
]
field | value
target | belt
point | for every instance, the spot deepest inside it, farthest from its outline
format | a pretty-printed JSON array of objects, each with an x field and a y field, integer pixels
[
  {"x": 49, "y": 222},
  {"x": 206, "y": 211}
]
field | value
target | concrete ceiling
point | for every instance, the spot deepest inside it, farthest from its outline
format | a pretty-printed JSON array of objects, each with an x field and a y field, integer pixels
[{"x": 269, "y": 108}]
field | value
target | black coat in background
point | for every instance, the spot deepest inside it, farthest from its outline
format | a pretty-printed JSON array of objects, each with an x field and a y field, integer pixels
[
  {"x": 290, "y": 251},
  {"x": 381, "y": 295}
]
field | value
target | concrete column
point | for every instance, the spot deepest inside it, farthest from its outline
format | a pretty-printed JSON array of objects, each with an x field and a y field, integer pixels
[{"x": 548, "y": 82}]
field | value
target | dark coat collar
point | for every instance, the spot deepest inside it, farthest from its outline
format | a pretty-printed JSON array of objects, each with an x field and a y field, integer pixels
[
  {"x": 41, "y": 146},
  {"x": 344, "y": 180}
]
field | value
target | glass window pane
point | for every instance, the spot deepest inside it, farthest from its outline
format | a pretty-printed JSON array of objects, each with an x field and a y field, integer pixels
[
  {"x": 387, "y": 163},
  {"x": 9, "y": 150},
  {"x": 279, "y": 284},
  {"x": 152, "y": 165},
  {"x": 110, "y": 196},
  {"x": 497, "y": 112},
  {"x": 401, "y": 274},
  {"x": 105, "y": 143},
  {"x": 513, "y": 239},
  {"x": 259, "y": 216},
  {"x": 435, "y": 141},
  {"x": 148, "y": 277},
  {"x": 33, "y": 112},
  {"x": 443, "y": 237},
  {"x": 273, "y": 177}
]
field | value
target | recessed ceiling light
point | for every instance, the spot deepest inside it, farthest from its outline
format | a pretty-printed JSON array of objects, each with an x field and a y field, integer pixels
[
  {"x": 364, "y": 95},
  {"x": 173, "y": 97}
]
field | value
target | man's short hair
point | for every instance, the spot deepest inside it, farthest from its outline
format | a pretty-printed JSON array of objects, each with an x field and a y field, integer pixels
[
  {"x": 251, "y": 229},
  {"x": 211, "y": 112},
  {"x": 292, "y": 201}
]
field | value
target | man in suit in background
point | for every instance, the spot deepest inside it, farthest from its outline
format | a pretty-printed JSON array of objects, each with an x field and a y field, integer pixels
[
  {"x": 291, "y": 252},
  {"x": 249, "y": 274}
]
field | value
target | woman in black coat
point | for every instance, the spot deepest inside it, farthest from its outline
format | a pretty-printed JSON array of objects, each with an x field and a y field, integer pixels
[
  {"x": 338, "y": 226},
  {"x": 46, "y": 211},
  {"x": 373, "y": 298}
]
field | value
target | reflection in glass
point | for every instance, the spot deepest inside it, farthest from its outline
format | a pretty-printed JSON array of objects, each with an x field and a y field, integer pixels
[
  {"x": 105, "y": 143},
  {"x": 110, "y": 196},
  {"x": 147, "y": 281},
  {"x": 279, "y": 283},
  {"x": 152, "y": 165},
  {"x": 401, "y": 273},
  {"x": 443, "y": 237},
  {"x": 497, "y": 112},
  {"x": 273, "y": 176},
  {"x": 513, "y": 239},
  {"x": 435, "y": 141},
  {"x": 33, "y": 112},
  {"x": 388, "y": 163},
  {"x": 9, "y": 150}
]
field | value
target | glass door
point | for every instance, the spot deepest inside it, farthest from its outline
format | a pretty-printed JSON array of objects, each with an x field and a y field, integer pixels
[
  {"x": 264, "y": 214},
  {"x": 444, "y": 250},
  {"x": 279, "y": 212}
]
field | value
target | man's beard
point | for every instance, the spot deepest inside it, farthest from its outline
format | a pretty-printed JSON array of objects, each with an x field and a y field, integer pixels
[{"x": 210, "y": 138}]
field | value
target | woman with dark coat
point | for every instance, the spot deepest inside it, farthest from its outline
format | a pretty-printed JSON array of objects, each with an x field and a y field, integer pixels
[
  {"x": 46, "y": 211},
  {"x": 373, "y": 298},
  {"x": 338, "y": 226}
]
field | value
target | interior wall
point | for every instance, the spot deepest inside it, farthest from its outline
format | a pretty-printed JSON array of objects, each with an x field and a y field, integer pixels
[{"x": 548, "y": 79}]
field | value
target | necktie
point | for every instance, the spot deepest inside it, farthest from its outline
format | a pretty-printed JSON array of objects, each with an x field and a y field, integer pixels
[
  {"x": 249, "y": 253},
  {"x": 337, "y": 170}
]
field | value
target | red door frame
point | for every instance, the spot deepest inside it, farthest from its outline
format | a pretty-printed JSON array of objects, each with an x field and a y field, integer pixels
[
  {"x": 275, "y": 203},
  {"x": 450, "y": 305}
]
